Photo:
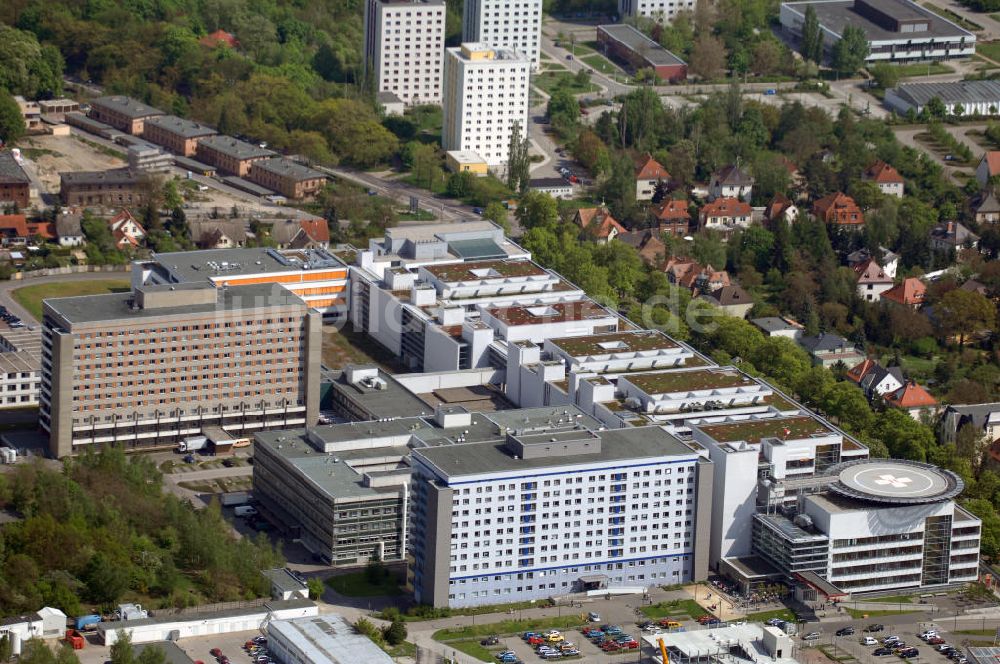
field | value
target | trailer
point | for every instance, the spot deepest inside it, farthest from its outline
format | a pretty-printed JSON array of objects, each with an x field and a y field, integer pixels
[
  {"x": 87, "y": 622},
  {"x": 235, "y": 498},
  {"x": 193, "y": 444}
]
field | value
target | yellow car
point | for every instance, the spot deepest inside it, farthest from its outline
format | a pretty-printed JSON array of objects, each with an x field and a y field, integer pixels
[
  {"x": 556, "y": 637},
  {"x": 671, "y": 624}
]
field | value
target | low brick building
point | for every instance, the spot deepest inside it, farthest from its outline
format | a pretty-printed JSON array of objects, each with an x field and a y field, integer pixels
[
  {"x": 176, "y": 134},
  {"x": 123, "y": 113},
  {"x": 230, "y": 155},
  {"x": 286, "y": 177},
  {"x": 113, "y": 188},
  {"x": 640, "y": 52},
  {"x": 15, "y": 187}
]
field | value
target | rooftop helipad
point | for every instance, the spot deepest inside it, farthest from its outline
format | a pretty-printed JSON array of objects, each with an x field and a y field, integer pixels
[{"x": 895, "y": 481}]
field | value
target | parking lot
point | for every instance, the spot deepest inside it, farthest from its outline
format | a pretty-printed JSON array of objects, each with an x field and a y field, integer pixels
[{"x": 843, "y": 645}]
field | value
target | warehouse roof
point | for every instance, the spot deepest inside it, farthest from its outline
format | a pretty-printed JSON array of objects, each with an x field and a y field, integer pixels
[
  {"x": 956, "y": 92},
  {"x": 640, "y": 44},
  {"x": 836, "y": 14},
  {"x": 327, "y": 639}
]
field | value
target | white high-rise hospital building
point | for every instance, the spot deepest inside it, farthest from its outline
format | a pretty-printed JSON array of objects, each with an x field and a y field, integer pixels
[
  {"x": 404, "y": 44},
  {"x": 514, "y": 24}
]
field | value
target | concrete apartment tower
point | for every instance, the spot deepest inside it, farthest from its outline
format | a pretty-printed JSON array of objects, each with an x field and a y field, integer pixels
[
  {"x": 150, "y": 367},
  {"x": 513, "y": 24},
  {"x": 404, "y": 44},
  {"x": 485, "y": 94}
]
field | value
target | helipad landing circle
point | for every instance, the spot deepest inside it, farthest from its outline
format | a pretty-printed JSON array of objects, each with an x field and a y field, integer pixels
[{"x": 895, "y": 481}]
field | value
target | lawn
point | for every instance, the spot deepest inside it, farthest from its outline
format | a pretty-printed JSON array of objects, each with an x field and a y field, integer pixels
[
  {"x": 508, "y": 628},
  {"x": 990, "y": 50},
  {"x": 30, "y": 297},
  {"x": 471, "y": 647},
  {"x": 952, "y": 16},
  {"x": 894, "y": 599},
  {"x": 356, "y": 584},
  {"x": 601, "y": 64},
  {"x": 977, "y": 632},
  {"x": 923, "y": 69},
  {"x": 404, "y": 649},
  {"x": 674, "y": 608},
  {"x": 549, "y": 82},
  {"x": 764, "y": 616}
]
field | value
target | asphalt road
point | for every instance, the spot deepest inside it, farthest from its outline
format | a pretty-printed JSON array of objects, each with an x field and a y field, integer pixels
[{"x": 7, "y": 286}]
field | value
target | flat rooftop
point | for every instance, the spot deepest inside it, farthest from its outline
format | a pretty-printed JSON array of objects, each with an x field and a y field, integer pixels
[
  {"x": 558, "y": 312},
  {"x": 127, "y": 106},
  {"x": 19, "y": 361},
  {"x": 640, "y": 44},
  {"x": 477, "y": 271},
  {"x": 954, "y": 92},
  {"x": 287, "y": 168},
  {"x": 389, "y": 400},
  {"x": 667, "y": 382},
  {"x": 181, "y": 266},
  {"x": 618, "y": 445},
  {"x": 640, "y": 341},
  {"x": 712, "y": 645},
  {"x": 753, "y": 431},
  {"x": 180, "y": 126},
  {"x": 836, "y": 14},
  {"x": 328, "y": 639},
  {"x": 117, "y": 306}
]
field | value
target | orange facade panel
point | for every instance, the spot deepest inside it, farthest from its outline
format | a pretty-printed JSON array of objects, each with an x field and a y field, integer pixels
[
  {"x": 319, "y": 290},
  {"x": 323, "y": 276},
  {"x": 272, "y": 279},
  {"x": 331, "y": 302}
]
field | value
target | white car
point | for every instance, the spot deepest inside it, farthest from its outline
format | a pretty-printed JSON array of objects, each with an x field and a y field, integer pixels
[{"x": 869, "y": 641}]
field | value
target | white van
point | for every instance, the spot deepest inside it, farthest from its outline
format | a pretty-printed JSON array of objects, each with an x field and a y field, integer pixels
[{"x": 244, "y": 510}]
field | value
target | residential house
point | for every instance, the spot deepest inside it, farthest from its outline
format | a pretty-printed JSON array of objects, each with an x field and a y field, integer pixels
[
  {"x": 827, "y": 350},
  {"x": 986, "y": 209},
  {"x": 648, "y": 173},
  {"x": 974, "y": 286},
  {"x": 875, "y": 379},
  {"x": 15, "y": 186},
  {"x": 725, "y": 215},
  {"x": 69, "y": 230},
  {"x": 840, "y": 210},
  {"x": 218, "y": 233},
  {"x": 910, "y": 293},
  {"x": 793, "y": 170},
  {"x": 988, "y": 168},
  {"x": 887, "y": 178},
  {"x": 732, "y": 299},
  {"x": 126, "y": 230},
  {"x": 872, "y": 280},
  {"x": 300, "y": 233},
  {"x": 598, "y": 224},
  {"x": 554, "y": 187},
  {"x": 691, "y": 275},
  {"x": 889, "y": 260},
  {"x": 983, "y": 417},
  {"x": 16, "y": 229},
  {"x": 648, "y": 243},
  {"x": 673, "y": 216},
  {"x": 731, "y": 182},
  {"x": 953, "y": 236},
  {"x": 912, "y": 398},
  {"x": 781, "y": 207},
  {"x": 778, "y": 326}
]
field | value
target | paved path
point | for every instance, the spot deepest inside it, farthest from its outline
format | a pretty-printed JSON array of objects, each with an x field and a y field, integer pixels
[
  {"x": 7, "y": 286},
  {"x": 211, "y": 474},
  {"x": 908, "y": 136}
]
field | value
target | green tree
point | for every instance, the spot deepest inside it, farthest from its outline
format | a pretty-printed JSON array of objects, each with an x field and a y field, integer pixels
[
  {"x": 497, "y": 213},
  {"x": 11, "y": 121},
  {"x": 26, "y": 67},
  {"x": 107, "y": 580},
  {"x": 935, "y": 108},
  {"x": 886, "y": 76},
  {"x": 518, "y": 163},
  {"x": 537, "y": 210},
  {"x": 151, "y": 654},
  {"x": 851, "y": 49},
  {"x": 903, "y": 436},
  {"x": 6, "y": 648},
  {"x": 316, "y": 587},
  {"x": 811, "y": 47},
  {"x": 122, "y": 651},
  {"x": 961, "y": 313},
  {"x": 36, "y": 651},
  {"x": 395, "y": 633},
  {"x": 990, "y": 535}
]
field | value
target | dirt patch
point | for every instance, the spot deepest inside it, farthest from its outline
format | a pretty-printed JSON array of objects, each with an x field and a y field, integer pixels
[{"x": 65, "y": 153}]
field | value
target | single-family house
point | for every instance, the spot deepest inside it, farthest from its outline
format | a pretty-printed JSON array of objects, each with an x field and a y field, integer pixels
[
  {"x": 839, "y": 209},
  {"x": 983, "y": 417},
  {"x": 218, "y": 233},
  {"x": 725, "y": 215},
  {"x": 16, "y": 229},
  {"x": 872, "y": 280},
  {"x": 731, "y": 299},
  {"x": 300, "y": 233},
  {"x": 778, "y": 326},
  {"x": 909, "y": 293},
  {"x": 988, "y": 168},
  {"x": 598, "y": 224},
  {"x": 672, "y": 215},
  {"x": 127, "y": 230},
  {"x": 887, "y": 178},
  {"x": 691, "y": 275},
  {"x": 912, "y": 398},
  {"x": 952, "y": 236},
  {"x": 648, "y": 174},
  {"x": 648, "y": 243},
  {"x": 827, "y": 349},
  {"x": 69, "y": 229},
  {"x": 875, "y": 379},
  {"x": 986, "y": 208},
  {"x": 889, "y": 260},
  {"x": 781, "y": 208},
  {"x": 731, "y": 182}
]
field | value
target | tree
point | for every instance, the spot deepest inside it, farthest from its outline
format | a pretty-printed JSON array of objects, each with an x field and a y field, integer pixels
[
  {"x": 851, "y": 49},
  {"x": 708, "y": 57},
  {"x": 26, "y": 67},
  {"x": 935, "y": 108},
  {"x": 537, "y": 210},
  {"x": 151, "y": 654},
  {"x": 106, "y": 580},
  {"x": 121, "y": 651},
  {"x": 962, "y": 313},
  {"x": 11, "y": 121},
  {"x": 886, "y": 76},
  {"x": 811, "y": 47},
  {"x": 497, "y": 213},
  {"x": 903, "y": 436},
  {"x": 395, "y": 633},
  {"x": 6, "y": 648},
  {"x": 316, "y": 587}
]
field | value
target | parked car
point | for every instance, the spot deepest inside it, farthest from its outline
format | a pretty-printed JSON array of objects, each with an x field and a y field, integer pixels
[
  {"x": 845, "y": 631},
  {"x": 880, "y": 652},
  {"x": 594, "y": 617},
  {"x": 810, "y": 636},
  {"x": 869, "y": 641},
  {"x": 935, "y": 641},
  {"x": 906, "y": 653},
  {"x": 876, "y": 627},
  {"x": 491, "y": 640}
]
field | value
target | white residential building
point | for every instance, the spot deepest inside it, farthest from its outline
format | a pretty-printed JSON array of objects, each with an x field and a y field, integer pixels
[
  {"x": 513, "y": 24},
  {"x": 550, "y": 512},
  {"x": 404, "y": 44},
  {"x": 485, "y": 94},
  {"x": 661, "y": 11}
]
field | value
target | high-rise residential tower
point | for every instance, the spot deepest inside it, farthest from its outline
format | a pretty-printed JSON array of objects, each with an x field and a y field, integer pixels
[{"x": 404, "y": 44}]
